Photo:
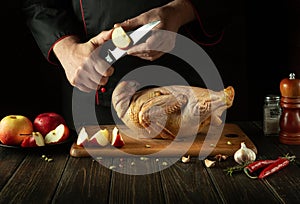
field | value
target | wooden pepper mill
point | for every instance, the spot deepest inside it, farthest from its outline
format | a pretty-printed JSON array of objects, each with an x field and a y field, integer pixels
[{"x": 290, "y": 118}]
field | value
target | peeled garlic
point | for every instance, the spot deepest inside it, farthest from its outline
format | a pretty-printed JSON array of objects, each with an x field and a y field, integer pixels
[
  {"x": 209, "y": 163},
  {"x": 185, "y": 159},
  {"x": 244, "y": 154}
]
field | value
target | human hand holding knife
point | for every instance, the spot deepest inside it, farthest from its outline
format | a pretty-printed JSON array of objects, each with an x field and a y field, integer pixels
[{"x": 110, "y": 53}]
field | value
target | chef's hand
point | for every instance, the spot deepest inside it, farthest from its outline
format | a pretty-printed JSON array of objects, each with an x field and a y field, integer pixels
[
  {"x": 83, "y": 66},
  {"x": 172, "y": 16}
]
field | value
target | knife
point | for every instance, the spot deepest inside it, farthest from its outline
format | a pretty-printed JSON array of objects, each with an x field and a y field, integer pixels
[{"x": 116, "y": 53}]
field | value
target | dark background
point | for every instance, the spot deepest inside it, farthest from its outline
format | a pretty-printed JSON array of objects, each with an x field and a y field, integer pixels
[{"x": 258, "y": 50}]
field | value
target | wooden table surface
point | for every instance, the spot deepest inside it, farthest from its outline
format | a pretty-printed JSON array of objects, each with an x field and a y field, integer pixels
[{"x": 25, "y": 177}]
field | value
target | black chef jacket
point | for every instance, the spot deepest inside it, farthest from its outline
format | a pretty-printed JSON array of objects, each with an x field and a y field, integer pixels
[{"x": 51, "y": 20}]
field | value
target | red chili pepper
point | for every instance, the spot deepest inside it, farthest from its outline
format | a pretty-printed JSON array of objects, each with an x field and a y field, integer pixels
[
  {"x": 274, "y": 167},
  {"x": 270, "y": 166},
  {"x": 254, "y": 166}
]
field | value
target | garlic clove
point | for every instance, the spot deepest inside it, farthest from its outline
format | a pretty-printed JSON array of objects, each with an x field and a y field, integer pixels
[
  {"x": 209, "y": 163},
  {"x": 244, "y": 154},
  {"x": 220, "y": 157},
  {"x": 185, "y": 159}
]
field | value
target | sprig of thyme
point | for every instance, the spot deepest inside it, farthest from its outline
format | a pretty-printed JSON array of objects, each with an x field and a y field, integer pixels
[{"x": 236, "y": 168}]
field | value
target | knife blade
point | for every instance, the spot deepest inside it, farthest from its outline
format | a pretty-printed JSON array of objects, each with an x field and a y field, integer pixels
[{"x": 116, "y": 53}]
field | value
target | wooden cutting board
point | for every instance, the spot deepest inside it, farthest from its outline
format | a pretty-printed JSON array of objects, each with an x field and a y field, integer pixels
[{"x": 203, "y": 145}]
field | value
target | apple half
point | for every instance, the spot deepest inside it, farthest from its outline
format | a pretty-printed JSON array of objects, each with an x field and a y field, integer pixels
[
  {"x": 117, "y": 139},
  {"x": 120, "y": 38},
  {"x": 58, "y": 135}
]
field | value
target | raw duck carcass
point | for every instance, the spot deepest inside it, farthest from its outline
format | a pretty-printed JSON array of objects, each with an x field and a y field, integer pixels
[{"x": 160, "y": 112}]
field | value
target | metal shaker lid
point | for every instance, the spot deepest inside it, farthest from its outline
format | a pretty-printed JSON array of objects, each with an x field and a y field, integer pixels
[{"x": 272, "y": 97}]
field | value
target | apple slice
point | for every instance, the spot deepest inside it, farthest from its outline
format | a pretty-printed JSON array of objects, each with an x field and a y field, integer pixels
[
  {"x": 28, "y": 141},
  {"x": 83, "y": 137},
  {"x": 100, "y": 138},
  {"x": 59, "y": 134},
  {"x": 34, "y": 140},
  {"x": 117, "y": 140},
  {"x": 120, "y": 38},
  {"x": 39, "y": 139}
]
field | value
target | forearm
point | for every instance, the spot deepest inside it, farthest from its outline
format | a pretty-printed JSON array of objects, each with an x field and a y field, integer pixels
[{"x": 65, "y": 46}]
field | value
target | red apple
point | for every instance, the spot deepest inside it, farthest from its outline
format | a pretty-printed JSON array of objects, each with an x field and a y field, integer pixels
[
  {"x": 14, "y": 129},
  {"x": 59, "y": 134},
  {"x": 100, "y": 138},
  {"x": 46, "y": 122},
  {"x": 117, "y": 140},
  {"x": 83, "y": 137},
  {"x": 120, "y": 38}
]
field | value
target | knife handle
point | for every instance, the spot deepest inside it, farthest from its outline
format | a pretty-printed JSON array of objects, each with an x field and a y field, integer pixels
[{"x": 105, "y": 54}]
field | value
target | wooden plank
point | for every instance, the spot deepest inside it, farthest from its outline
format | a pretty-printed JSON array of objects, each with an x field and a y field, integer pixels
[
  {"x": 202, "y": 145},
  {"x": 10, "y": 159},
  {"x": 84, "y": 181},
  {"x": 188, "y": 183},
  {"x": 128, "y": 185},
  {"x": 35, "y": 179},
  {"x": 285, "y": 184}
]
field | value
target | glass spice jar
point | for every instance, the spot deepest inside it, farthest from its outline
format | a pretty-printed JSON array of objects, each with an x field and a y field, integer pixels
[{"x": 272, "y": 113}]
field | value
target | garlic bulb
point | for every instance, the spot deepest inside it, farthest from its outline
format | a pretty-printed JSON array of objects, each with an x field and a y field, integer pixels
[{"x": 244, "y": 154}]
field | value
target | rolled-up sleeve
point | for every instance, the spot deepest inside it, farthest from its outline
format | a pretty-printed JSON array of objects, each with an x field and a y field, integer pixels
[{"x": 49, "y": 21}]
